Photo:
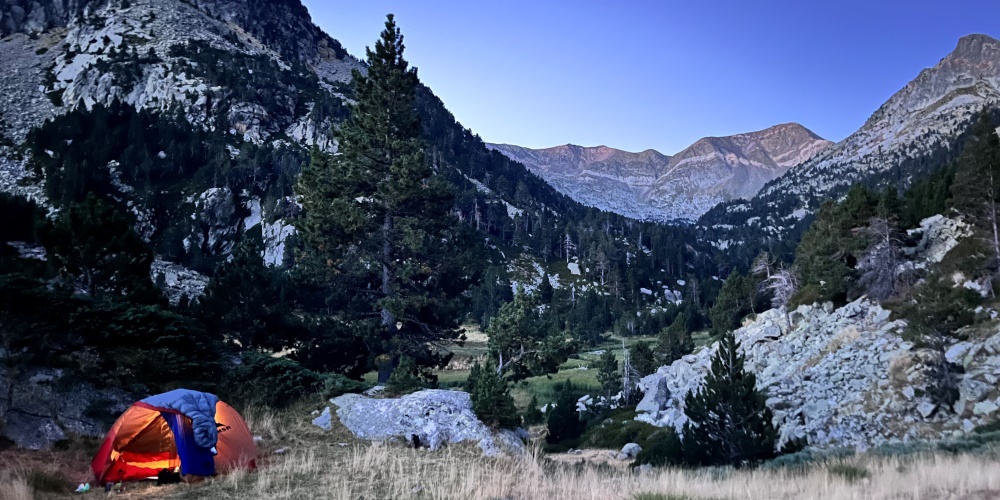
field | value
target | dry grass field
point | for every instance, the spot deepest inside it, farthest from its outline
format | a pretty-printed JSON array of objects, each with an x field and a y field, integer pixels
[{"x": 302, "y": 462}]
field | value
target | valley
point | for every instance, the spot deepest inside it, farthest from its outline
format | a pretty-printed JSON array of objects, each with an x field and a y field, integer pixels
[{"x": 214, "y": 199}]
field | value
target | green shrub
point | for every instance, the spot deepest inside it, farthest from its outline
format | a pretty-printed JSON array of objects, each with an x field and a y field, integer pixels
[
  {"x": 335, "y": 384},
  {"x": 405, "y": 378},
  {"x": 271, "y": 381},
  {"x": 563, "y": 421},
  {"x": 491, "y": 400},
  {"x": 850, "y": 472},
  {"x": 662, "y": 448},
  {"x": 618, "y": 429},
  {"x": 991, "y": 427},
  {"x": 533, "y": 414}
]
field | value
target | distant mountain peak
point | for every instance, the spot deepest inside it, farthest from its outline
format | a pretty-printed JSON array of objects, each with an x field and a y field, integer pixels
[{"x": 652, "y": 185}]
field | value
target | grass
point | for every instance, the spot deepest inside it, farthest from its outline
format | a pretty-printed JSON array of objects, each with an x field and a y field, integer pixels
[{"x": 336, "y": 465}]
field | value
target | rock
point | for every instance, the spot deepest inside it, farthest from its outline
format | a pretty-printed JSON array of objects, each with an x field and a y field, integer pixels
[
  {"x": 324, "y": 420},
  {"x": 926, "y": 408},
  {"x": 956, "y": 353},
  {"x": 908, "y": 392},
  {"x": 968, "y": 426},
  {"x": 985, "y": 408},
  {"x": 629, "y": 452},
  {"x": 433, "y": 418}
]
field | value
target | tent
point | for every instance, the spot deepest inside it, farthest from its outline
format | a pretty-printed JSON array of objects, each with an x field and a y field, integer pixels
[{"x": 192, "y": 430}]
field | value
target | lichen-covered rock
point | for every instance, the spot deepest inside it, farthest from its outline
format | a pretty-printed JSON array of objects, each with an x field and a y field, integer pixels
[{"x": 435, "y": 417}]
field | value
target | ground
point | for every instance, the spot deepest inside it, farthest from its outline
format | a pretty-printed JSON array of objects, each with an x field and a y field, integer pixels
[{"x": 300, "y": 461}]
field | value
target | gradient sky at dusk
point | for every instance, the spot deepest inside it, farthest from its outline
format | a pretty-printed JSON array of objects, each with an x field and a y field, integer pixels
[{"x": 661, "y": 74}]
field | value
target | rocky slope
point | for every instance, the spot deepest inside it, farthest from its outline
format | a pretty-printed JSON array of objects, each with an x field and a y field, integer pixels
[
  {"x": 653, "y": 186},
  {"x": 916, "y": 129},
  {"x": 845, "y": 377}
]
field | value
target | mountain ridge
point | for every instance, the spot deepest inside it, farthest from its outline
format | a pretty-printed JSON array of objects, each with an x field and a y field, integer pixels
[
  {"x": 913, "y": 132},
  {"x": 654, "y": 186}
]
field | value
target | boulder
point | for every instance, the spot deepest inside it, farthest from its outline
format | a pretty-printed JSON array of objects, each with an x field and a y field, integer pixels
[
  {"x": 629, "y": 452},
  {"x": 432, "y": 418}
]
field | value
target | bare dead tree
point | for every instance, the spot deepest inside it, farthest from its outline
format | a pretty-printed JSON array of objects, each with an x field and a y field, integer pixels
[
  {"x": 782, "y": 284},
  {"x": 603, "y": 265},
  {"x": 879, "y": 262},
  {"x": 568, "y": 246}
]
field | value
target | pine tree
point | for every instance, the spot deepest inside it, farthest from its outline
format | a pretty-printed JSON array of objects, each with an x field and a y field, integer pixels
[
  {"x": 405, "y": 378},
  {"x": 976, "y": 188},
  {"x": 734, "y": 301},
  {"x": 563, "y": 421},
  {"x": 492, "y": 402},
  {"x": 244, "y": 301},
  {"x": 608, "y": 374},
  {"x": 378, "y": 231},
  {"x": 522, "y": 344},
  {"x": 728, "y": 422},
  {"x": 643, "y": 360},
  {"x": 533, "y": 414},
  {"x": 95, "y": 248},
  {"x": 675, "y": 341}
]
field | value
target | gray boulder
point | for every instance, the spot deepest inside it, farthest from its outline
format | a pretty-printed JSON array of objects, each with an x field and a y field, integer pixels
[
  {"x": 629, "y": 451},
  {"x": 432, "y": 418}
]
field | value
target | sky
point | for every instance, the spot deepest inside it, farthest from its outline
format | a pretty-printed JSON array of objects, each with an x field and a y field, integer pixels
[{"x": 641, "y": 74}]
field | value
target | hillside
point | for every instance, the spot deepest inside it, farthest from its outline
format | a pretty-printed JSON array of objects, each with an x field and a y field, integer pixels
[
  {"x": 653, "y": 186},
  {"x": 254, "y": 86}
]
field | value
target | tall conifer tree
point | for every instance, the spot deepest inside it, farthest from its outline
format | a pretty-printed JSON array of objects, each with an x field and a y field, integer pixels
[{"x": 378, "y": 223}]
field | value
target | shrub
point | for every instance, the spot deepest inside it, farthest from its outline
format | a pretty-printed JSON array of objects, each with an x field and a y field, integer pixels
[
  {"x": 491, "y": 400},
  {"x": 563, "y": 421},
  {"x": 271, "y": 381},
  {"x": 617, "y": 430},
  {"x": 49, "y": 482},
  {"x": 663, "y": 447},
  {"x": 335, "y": 384},
  {"x": 533, "y": 414},
  {"x": 405, "y": 378},
  {"x": 850, "y": 472}
]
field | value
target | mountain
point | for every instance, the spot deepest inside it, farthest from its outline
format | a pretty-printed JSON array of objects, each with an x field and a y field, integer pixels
[
  {"x": 653, "y": 186},
  {"x": 915, "y": 131},
  {"x": 197, "y": 116}
]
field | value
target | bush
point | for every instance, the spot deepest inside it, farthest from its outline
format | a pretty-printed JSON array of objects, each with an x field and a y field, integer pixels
[
  {"x": 850, "y": 472},
  {"x": 663, "y": 447},
  {"x": 49, "y": 482},
  {"x": 563, "y": 421},
  {"x": 271, "y": 381},
  {"x": 491, "y": 400},
  {"x": 533, "y": 414},
  {"x": 404, "y": 379},
  {"x": 335, "y": 384},
  {"x": 618, "y": 429}
]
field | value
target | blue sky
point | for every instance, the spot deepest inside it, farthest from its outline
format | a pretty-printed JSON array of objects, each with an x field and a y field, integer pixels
[{"x": 639, "y": 74}]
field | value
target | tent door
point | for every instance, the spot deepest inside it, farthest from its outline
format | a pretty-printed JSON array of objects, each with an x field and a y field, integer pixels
[{"x": 194, "y": 459}]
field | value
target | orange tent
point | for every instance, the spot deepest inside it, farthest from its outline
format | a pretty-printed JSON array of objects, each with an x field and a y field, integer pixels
[{"x": 190, "y": 430}]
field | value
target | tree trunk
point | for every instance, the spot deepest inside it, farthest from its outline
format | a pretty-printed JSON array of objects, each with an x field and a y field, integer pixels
[{"x": 388, "y": 321}]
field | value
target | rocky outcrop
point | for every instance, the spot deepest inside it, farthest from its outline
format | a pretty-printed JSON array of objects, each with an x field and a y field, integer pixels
[
  {"x": 429, "y": 418},
  {"x": 938, "y": 235},
  {"x": 840, "y": 377},
  {"x": 177, "y": 281},
  {"x": 33, "y": 16},
  {"x": 41, "y": 407}
]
